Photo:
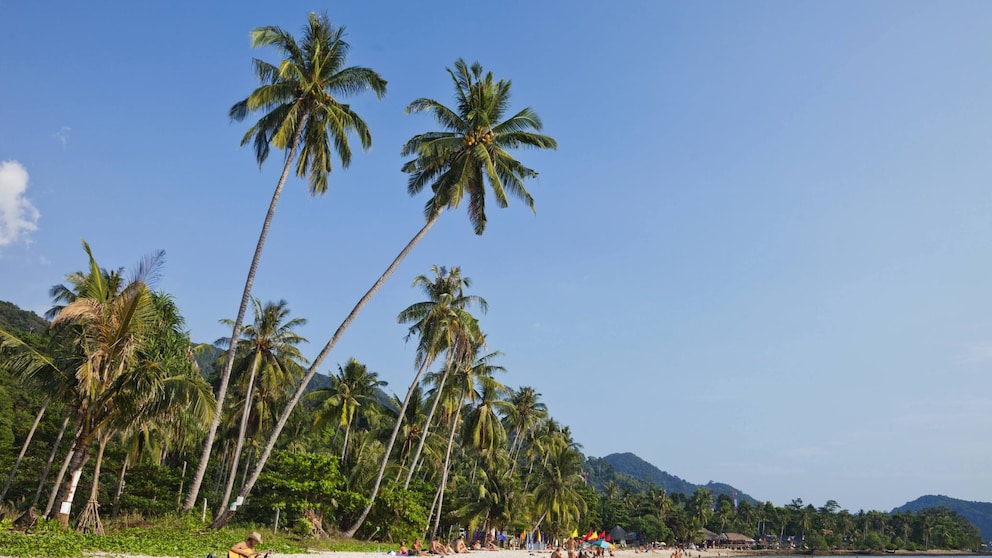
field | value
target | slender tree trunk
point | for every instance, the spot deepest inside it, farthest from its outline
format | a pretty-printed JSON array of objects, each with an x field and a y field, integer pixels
[
  {"x": 225, "y": 376},
  {"x": 241, "y": 435},
  {"x": 344, "y": 447},
  {"x": 120, "y": 488},
  {"x": 427, "y": 423},
  {"x": 284, "y": 417},
  {"x": 430, "y": 515},
  {"x": 24, "y": 449},
  {"x": 444, "y": 474},
  {"x": 48, "y": 464}
]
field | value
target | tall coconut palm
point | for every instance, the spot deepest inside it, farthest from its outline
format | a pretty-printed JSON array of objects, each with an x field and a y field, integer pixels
[
  {"x": 303, "y": 115},
  {"x": 268, "y": 346},
  {"x": 440, "y": 322},
  {"x": 454, "y": 167}
]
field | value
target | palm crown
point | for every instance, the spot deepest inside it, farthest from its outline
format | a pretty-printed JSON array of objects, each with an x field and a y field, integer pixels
[
  {"x": 472, "y": 150},
  {"x": 300, "y": 99}
]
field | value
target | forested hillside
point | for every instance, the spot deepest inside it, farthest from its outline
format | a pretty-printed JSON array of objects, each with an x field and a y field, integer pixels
[
  {"x": 13, "y": 317},
  {"x": 630, "y": 470},
  {"x": 979, "y": 513}
]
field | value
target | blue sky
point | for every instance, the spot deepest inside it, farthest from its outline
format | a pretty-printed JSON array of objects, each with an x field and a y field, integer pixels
[{"x": 760, "y": 254}]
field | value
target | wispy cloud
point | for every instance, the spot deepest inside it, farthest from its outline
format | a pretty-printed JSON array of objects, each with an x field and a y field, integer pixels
[
  {"x": 63, "y": 135},
  {"x": 975, "y": 353},
  {"x": 18, "y": 217}
]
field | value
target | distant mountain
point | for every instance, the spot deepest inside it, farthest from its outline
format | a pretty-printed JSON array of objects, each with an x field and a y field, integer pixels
[
  {"x": 630, "y": 472},
  {"x": 979, "y": 513},
  {"x": 13, "y": 318}
]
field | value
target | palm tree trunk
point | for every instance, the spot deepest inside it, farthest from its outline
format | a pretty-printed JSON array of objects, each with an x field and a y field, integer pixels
[
  {"x": 241, "y": 435},
  {"x": 80, "y": 455},
  {"x": 344, "y": 446},
  {"x": 48, "y": 464},
  {"x": 24, "y": 449},
  {"x": 284, "y": 417},
  {"x": 444, "y": 474},
  {"x": 225, "y": 376},
  {"x": 120, "y": 488},
  {"x": 58, "y": 479},
  {"x": 427, "y": 423}
]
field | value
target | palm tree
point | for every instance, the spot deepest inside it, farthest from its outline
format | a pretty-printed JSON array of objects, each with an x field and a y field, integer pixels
[
  {"x": 556, "y": 496},
  {"x": 352, "y": 390},
  {"x": 303, "y": 114},
  {"x": 524, "y": 412},
  {"x": 456, "y": 168},
  {"x": 268, "y": 346},
  {"x": 439, "y": 322}
]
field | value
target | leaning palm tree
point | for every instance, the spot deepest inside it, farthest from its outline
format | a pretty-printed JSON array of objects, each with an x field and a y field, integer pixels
[
  {"x": 268, "y": 346},
  {"x": 455, "y": 165},
  {"x": 303, "y": 115}
]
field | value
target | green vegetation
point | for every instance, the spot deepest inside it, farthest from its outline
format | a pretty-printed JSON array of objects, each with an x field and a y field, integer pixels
[
  {"x": 630, "y": 472},
  {"x": 979, "y": 513}
]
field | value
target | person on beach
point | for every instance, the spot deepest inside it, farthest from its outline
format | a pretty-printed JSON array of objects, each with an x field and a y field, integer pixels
[
  {"x": 557, "y": 553},
  {"x": 438, "y": 548},
  {"x": 246, "y": 548},
  {"x": 460, "y": 547},
  {"x": 418, "y": 548},
  {"x": 404, "y": 551}
]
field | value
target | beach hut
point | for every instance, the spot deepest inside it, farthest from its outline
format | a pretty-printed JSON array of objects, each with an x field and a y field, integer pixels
[{"x": 618, "y": 536}]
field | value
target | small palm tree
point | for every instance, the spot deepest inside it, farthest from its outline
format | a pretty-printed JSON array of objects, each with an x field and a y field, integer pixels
[
  {"x": 303, "y": 115},
  {"x": 352, "y": 391}
]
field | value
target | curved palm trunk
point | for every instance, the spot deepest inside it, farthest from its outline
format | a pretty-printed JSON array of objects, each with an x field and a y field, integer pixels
[
  {"x": 225, "y": 376},
  {"x": 427, "y": 424},
  {"x": 444, "y": 475},
  {"x": 241, "y": 435},
  {"x": 24, "y": 449},
  {"x": 284, "y": 417},
  {"x": 48, "y": 464}
]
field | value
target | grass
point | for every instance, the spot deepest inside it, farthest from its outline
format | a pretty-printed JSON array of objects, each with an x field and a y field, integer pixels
[{"x": 162, "y": 537}]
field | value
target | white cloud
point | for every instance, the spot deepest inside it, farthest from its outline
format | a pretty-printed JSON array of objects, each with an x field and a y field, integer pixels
[
  {"x": 63, "y": 135},
  {"x": 18, "y": 217}
]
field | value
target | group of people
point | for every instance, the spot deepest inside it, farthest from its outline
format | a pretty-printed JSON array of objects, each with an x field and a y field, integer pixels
[
  {"x": 436, "y": 547},
  {"x": 572, "y": 549}
]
